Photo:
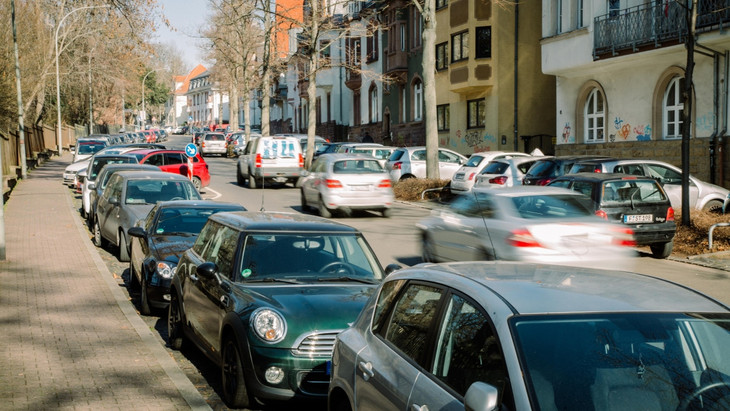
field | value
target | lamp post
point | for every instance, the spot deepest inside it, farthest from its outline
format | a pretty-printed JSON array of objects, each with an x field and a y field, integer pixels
[
  {"x": 144, "y": 113},
  {"x": 58, "y": 76}
]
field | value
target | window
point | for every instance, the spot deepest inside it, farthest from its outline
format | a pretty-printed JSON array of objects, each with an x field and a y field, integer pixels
[
  {"x": 614, "y": 7},
  {"x": 417, "y": 28},
  {"x": 673, "y": 109},
  {"x": 374, "y": 104},
  {"x": 475, "y": 113},
  {"x": 174, "y": 158},
  {"x": 324, "y": 52},
  {"x": 484, "y": 42},
  {"x": 442, "y": 115},
  {"x": 594, "y": 115},
  {"x": 402, "y": 37},
  {"x": 460, "y": 46},
  {"x": 579, "y": 13},
  {"x": 440, "y": 4},
  {"x": 442, "y": 56},
  {"x": 559, "y": 16},
  {"x": 403, "y": 104},
  {"x": 372, "y": 44},
  {"x": 417, "y": 100}
]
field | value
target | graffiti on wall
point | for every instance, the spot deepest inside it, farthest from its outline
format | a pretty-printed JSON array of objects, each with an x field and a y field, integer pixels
[
  {"x": 625, "y": 131},
  {"x": 643, "y": 133},
  {"x": 469, "y": 141},
  {"x": 566, "y": 134}
]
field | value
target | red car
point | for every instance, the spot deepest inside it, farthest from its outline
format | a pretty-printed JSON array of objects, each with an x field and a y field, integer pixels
[{"x": 175, "y": 161}]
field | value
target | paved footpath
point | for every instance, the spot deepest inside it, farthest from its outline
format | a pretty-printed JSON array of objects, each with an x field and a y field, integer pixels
[{"x": 70, "y": 338}]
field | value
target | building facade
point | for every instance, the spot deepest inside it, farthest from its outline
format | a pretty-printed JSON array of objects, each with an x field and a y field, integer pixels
[
  {"x": 207, "y": 105},
  {"x": 177, "y": 105}
]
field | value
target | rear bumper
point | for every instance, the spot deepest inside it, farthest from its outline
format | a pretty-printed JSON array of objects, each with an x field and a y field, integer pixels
[{"x": 653, "y": 235}]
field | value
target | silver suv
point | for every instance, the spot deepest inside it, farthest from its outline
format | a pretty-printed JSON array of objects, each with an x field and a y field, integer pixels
[
  {"x": 272, "y": 158},
  {"x": 410, "y": 162}
]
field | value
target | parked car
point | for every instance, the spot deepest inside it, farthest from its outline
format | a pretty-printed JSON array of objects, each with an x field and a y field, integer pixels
[
  {"x": 128, "y": 197},
  {"x": 270, "y": 158},
  {"x": 535, "y": 224},
  {"x": 97, "y": 187},
  {"x": 410, "y": 162},
  {"x": 235, "y": 143},
  {"x": 175, "y": 161},
  {"x": 70, "y": 174},
  {"x": 213, "y": 143},
  {"x": 96, "y": 162},
  {"x": 87, "y": 146},
  {"x": 702, "y": 195},
  {"x": 341, "y": 183},
  {"x": 636, "y": 202},
  {"x": 349, "y": 147},
  {"x": 548, "y": 169},
  {"x": 280, "y": 287},
  {"x": 465, "y": 177},
  {"x": 381, "y": 153},
  {"x": 158, "y": 241},
  {"x": 506, "y": 172},
  {"x": 327, "y": 148},
  {"x": 318, "y": 141},
  {"x": 507, "y": 336},
  {"x": 197, "y": 136}
]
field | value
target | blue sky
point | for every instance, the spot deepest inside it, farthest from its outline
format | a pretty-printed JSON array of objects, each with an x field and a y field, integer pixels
[{"x": 187, "y": 17}]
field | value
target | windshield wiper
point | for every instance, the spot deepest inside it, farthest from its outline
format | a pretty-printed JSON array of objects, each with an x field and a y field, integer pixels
[
  {"x": 346, "y": 278},
  {"x": 272, "y": 280},
  {"x": 178, "y": 233}
]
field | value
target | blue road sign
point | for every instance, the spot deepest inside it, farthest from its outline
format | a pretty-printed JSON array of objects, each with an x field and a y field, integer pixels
[{"x": 191, "y": 150}]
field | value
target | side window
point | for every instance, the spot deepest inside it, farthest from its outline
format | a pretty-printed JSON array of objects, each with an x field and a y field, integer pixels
[
  {"x": 227, "y": 251},
  {"x": 634, "y": 169},
  {"x": 664, "y": 174},
  {"x": 467, "y": 350},
  {"x": 206, "y": 234},
  {"x": 174, "y": 158},
  {"x": 447, "y": 157},
  {"x": 385, "y": 300},
  {"x": 155, "y": 160},
  {"x": 414, "y": 314},
  {"x": 583, "y": 187},
  {"x": 114, "y": 184},
  {"x": 419, "y": 155},
  {"x": 563, "y": 184},
  {"x": 149, "y": 222}
]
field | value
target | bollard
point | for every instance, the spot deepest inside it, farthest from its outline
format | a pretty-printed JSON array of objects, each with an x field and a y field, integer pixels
[{"x": 712, "y": 228}]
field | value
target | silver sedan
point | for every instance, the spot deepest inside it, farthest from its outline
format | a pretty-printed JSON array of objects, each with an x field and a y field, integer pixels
[
  {"x": 515, "y": 336},
  {"x": 346, "y": 182},
  {"x": 537, "y": 224}
]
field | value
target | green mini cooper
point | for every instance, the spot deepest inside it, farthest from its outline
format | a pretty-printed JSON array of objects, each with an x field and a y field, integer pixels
[{"x": 264, "y": 295}]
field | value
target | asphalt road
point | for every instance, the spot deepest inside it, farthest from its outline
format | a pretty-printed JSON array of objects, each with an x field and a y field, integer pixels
[{"x": 394, "y": 240}]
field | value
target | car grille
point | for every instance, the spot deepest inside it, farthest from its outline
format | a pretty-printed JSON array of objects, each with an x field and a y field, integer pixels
[
  {"x": 314, "y": 382},
  {"x": 317, "y": 345}
]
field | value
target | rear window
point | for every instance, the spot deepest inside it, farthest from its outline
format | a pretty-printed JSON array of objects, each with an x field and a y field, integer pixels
[
  {"x": 542, "y": 169},
  {"x": 474, "y": 161},
  {"x": 552, "y": 206},
  {"x": 215, "y": 137},
  {"x": 397, "y": 154},
  {"x": 92, "y": 148},
  {"x": 631, "y": 192},
  {"x": 495, "y": 167},
  {"x": 278, "y": 148},
  {"x": 357, "y": 167}
]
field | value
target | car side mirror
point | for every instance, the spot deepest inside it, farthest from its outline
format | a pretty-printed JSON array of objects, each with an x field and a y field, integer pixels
[
  {"x": 481, "y": 397},
  {"x": 92, "y": 186},
  {"x": 138, "y": 232},
  {"x": 391, "y": 268},
  {"x": 114, "y": 200},
  {"x": 207, "y": 270}
]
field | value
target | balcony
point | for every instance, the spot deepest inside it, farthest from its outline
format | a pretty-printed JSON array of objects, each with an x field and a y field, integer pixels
[
  {"x": 652, "y": 26},
  {"x": 353, "y": 79}
]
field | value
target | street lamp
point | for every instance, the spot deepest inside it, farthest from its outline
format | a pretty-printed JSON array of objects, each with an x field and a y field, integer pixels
[
  {"x": 58, "y": 76},
  {"x": 144, "y": 113}
]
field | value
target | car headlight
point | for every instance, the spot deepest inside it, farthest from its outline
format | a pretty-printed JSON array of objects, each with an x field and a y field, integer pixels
[
  {"x": 268, "y": 324},
  {"x": 166, "y": 270}
]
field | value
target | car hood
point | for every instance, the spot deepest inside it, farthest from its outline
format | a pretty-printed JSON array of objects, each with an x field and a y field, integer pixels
[
  {"x": 77, "y": 166},
  {"x": 137, "y": 212},
  {"x": 309, "y": 308},
  {"x": 170, "y": 247}
]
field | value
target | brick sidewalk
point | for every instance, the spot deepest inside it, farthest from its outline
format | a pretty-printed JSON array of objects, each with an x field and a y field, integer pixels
[{"x": 70, "y": 338}]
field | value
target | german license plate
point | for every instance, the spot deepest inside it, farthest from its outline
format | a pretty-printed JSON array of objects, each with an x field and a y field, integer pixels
[
  {"x": 459, "y": 176},
  {"x": 360, "y": 188},
  {"x": 638, "y": 218}
]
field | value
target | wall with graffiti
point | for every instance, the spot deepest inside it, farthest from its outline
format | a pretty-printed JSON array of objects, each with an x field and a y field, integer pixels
[{"x": 469, "y": 141}]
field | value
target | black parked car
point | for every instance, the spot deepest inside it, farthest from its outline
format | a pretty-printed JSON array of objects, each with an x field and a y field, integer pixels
[
  {"x": 548, "y": 169},
  {"x": 264, "y": 295},
  {"x": 636, "y": 202},
  {"x": 157, "y": 242}
]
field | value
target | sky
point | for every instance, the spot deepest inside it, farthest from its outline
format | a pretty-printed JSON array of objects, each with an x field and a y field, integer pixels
[{"x": 186, "y": 17}]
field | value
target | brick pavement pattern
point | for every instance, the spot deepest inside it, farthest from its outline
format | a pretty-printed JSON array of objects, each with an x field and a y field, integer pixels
[{"x": 66, "y": 342}]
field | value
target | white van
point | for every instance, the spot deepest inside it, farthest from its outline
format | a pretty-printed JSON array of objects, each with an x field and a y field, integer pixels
[{"x": 271, "y": 158}]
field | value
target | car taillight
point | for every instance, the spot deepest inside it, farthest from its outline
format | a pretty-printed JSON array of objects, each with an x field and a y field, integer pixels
[
  {"x": 602, "y": 214},
  {"x": 202, "y": 144},
  {"x": 258, "y": 160},
  {"x": 624, "y": 237},
  {"x": 522, "y": 238},
  {"x": 670, "y": 214},
  {"x": 384, "y": 184},
  {"x": 333, "y": 183},
  {"x": 397, "y": 165},
  {"x": 597, "y": 170},
  {"x": 471, "y": 176},
  {"x": 501, "y": 180},
  {"x": 301, "y": 161},
  {"x": 544, "y": 182}
]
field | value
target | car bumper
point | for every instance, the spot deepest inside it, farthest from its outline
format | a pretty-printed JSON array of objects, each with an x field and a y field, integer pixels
[
  {"x": 214, "y": 150},
  {"x": 270, "y": 172},
  {"x": 657, "y": 233},
  {"x": 461, "y": 186},
  {"x": 158, "y": 292},
  {"x": 363, "y": 201}
]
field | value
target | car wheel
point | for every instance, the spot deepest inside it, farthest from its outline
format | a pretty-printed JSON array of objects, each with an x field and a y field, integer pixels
[
  {"x": 144, "y": 304},
  {"x": 303, "y": 200},
  {"x": 123, "y": 250},
  {"x": 239, "y": 178},
  {"x": 99, "y": 240},
  {"x": 662, "y": 250},
  {"x": 387, "y": 212},
  {"x": 341, "y": 404},
  {"x": 197, "y": 183},
  {"x": 251, "y": 181},
  {"x": 427, "y": 254},
  {"x": 323, "y": 210},
  {"x": 234, "y": 385},
  {"x": 175, "y": 324},
  {"x": 713, "y": 206},
  {"x": 132, "y": 284}
]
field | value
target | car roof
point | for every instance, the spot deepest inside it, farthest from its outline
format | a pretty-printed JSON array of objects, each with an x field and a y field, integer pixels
[
  {"x": 280, "y": 221},
  {"x": 516, "y": 191},
  {"x": 548, "y": 289},
  {"x": 131, "y": 167},
  {"x": 346, "y": 156},
  {"x": 598, "y": 177},
  {"x": 201, "y": 204},
  {"x": 150, "y": 175}
]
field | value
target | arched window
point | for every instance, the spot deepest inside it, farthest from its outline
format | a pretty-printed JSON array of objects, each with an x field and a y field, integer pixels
[
  {"x": 374, "y": 107},
  {"x": 673, "y": 109},
  {"x": 594, "y": 114},
  {"x": 417, "y": 100}
]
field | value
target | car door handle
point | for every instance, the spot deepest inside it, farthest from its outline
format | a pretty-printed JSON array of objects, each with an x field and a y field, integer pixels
[
  {"x": 367, "y": 370},
  {"x": 225, "y": 301},
  {"x": 193, "y": 278},
  {"x": 416, "y": 407}
]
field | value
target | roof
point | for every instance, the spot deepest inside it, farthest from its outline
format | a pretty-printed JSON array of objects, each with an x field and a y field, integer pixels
[
  {"x": 131, "y": 166},
  {"x": 598, "y": 177},
  {"x": 541, "y": 289},
  {"x": 525, "y": 190},
  {"x": 186, "y": 79},
  {"x": 282, "y": 222}
]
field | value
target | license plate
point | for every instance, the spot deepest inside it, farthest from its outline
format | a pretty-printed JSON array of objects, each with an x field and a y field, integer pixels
[
  {"x": 639, "y": 218},
  {"x": 360, "y": 188},
  {"x": 459, "y": 177}
]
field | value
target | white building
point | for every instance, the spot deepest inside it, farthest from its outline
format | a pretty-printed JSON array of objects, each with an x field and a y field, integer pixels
[
  {"x": 206, "y": 103},
  {"x": 177, "y": 105}
]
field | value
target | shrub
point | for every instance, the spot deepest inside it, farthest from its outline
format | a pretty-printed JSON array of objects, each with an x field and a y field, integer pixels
[{"x": 411, "y": 189}]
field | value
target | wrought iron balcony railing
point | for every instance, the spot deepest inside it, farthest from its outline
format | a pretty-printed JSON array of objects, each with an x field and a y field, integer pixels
[{"x": 653, "y": 25}]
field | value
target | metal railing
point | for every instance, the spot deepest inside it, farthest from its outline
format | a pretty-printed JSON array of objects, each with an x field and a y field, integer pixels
[{"x": 654, "y": 25}]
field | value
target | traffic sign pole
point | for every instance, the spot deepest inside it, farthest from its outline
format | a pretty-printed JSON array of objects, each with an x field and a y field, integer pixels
[{"x": 191, "y": 150}]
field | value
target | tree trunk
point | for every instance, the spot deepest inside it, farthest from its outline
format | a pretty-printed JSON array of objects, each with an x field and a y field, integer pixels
[
  {"x": 687, "y": 111},
  {"x": 429, "y": 89}
]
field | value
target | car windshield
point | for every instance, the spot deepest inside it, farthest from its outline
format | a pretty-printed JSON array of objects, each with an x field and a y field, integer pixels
[
  {"x": 357, "y": 167},
  {"x": 90, "y": 148},
  {"x": 552, "y": 206},
  {"x": 152, "y": 191},
  {"x": 651, "y": 360},
  {"x": 184, "y": 220},
  {"x": 630, "y": 192},
  {"x": 307, "y": 257},
  {"x": 99, "y": 163}
]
